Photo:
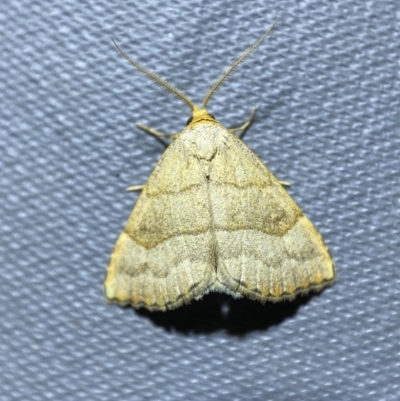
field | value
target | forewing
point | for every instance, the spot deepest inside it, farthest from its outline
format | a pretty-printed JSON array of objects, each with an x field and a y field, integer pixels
[
  {"x": 267, "y": 249},
  {"x": 165, "y": 257}
]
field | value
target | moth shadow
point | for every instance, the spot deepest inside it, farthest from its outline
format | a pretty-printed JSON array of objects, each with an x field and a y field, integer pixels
[{"x": 216, "y": 312}]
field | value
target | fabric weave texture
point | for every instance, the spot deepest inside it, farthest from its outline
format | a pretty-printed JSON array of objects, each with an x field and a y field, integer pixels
[{"x": 326, "y": 87}]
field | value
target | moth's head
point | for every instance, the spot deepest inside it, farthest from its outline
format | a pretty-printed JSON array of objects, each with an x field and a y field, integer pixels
[{"x": 199, "y": 115}]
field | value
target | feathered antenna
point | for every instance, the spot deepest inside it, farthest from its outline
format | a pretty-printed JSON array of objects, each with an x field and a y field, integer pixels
[
  {"x": 234, "y": 64},
  {"x": 158, "y": 80}
]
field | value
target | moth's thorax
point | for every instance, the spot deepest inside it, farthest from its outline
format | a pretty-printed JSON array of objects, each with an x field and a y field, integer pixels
[{"x": 205, "y": 139}]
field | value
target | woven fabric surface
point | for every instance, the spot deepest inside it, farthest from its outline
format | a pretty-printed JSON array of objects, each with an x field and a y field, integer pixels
[{"x": 326, "y": 87}]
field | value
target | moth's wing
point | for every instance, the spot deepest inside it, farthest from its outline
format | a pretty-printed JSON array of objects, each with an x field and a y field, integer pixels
[
  {"x": 267, "y": 249},
  {"x": 165, "y": 255}
]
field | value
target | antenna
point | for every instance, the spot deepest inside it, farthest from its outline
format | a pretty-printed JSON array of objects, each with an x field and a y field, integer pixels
[
  {"x": 234, "y": 64},
  {"x": 158, "y": 80}
]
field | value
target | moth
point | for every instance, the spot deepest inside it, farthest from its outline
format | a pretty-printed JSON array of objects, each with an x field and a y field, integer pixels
[{"x": 212, "y": 217}]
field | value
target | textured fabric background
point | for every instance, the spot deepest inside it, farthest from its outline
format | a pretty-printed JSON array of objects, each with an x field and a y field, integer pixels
[{"x": 326, "y": 84}]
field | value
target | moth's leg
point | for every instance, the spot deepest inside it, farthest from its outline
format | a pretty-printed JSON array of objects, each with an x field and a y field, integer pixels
[
  {"x": 156, "y": 133},
  {"x": 284, "y": 183},
  {"x": 135, "y": 187},
  {"x": 245, "y": 125}
]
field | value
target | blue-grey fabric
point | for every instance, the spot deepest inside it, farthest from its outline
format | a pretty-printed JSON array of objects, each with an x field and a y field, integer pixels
[{"x": 326, "y": 87}]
